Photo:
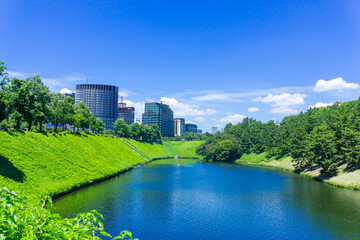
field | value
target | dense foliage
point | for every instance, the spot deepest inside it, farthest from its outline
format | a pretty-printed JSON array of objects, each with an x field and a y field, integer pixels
[
  {"x": 21, "y": 220},
  {"x": 28, "y": 102},
  {"x": 326, "y": 137},
  {"x": 137, "y": 131},
  {"x": 190, "y": 136}
]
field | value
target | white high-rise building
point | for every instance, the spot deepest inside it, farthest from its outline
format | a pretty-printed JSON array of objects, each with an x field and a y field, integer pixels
[
  {"x": 179, "y": 126},
  {"x": 214, "y": 130}
]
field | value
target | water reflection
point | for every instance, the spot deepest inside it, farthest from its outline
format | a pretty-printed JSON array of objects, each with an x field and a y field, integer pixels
[{"x": 163, "y": 200}]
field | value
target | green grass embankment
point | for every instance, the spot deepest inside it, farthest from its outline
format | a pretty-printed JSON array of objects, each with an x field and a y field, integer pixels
[
  {"x": 39, "y": 164},
  {"x": 345, "y": 178},
  {"x": 168, "y": 149}
]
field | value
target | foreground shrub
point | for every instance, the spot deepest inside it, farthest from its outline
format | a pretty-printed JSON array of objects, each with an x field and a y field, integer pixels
[{"x": 19, "y": 220}]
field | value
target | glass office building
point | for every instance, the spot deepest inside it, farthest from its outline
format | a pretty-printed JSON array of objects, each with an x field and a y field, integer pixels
[
  {"x": 190, "y": 127},
  {"x": 179, "y": 126},
  {"x": 126, "y": 113},
  {"x": 102, "y": 100},
  {"x": 161, "y": 115}
]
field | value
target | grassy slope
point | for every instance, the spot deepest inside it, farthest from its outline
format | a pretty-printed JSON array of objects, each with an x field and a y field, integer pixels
[
  {"x": 36, "y": 164},
  {"x": 346, "y": 179},
  {"x": 167, "y": 149}
]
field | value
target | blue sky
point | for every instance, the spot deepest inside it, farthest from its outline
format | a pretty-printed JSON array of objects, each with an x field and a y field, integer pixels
[{"x": 212, "y": 61}]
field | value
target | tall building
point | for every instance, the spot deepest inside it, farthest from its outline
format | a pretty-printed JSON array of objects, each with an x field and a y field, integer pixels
[
  {"x": 199, "y": 131},
  {"x": 179, "y": 126},
  {"x": 126, "y": 113},
  {"x": 72, "y": 95},
  {"x": 190, "y": 127},
  {"x": 214, "y": 130},
  {"x": 161, "y": 115},
  {"x": 102, "y": 100}
]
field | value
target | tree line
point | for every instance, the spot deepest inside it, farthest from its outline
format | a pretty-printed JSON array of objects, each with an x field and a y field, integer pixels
[
  {"x": 326, "y": 137},
  {"x": 28, "y": 103},
  {"x": 190, "y": 136},
  {"x": 137, "y": 131}
]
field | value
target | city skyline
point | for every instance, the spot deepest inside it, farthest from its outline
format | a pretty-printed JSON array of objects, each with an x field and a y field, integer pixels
[{"x": 211, "y": 63}]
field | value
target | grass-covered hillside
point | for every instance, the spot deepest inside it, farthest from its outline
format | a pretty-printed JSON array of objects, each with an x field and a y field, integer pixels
[
  {"x": 168, "y": 149},
  {"x": 39, "y": 164}
]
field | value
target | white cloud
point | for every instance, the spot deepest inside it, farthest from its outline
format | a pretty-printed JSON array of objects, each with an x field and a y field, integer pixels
[
  {"x": 283, "y": 103},
  {"x": 127, "y": 92},
  {"x": 74, "y": 77},
  {"x": 199, "y": 119},
  {"x": 55, "y": 84},
  {"x": 284, "y": 109},
  {"x": 17, "y": 74},
  {"x": 229, "y": 97},
  {"x": 63, "y": 82},
  {"x": 240, "y": 96},
  {"x": 334, "y": 84},
  {"x": 235, "y": 118},
  {"x": 284, "y": 99},
  {"x": 321, "y": 104},
  {"x": 253, "y": 109},
  {"x": 65, "y": 90},
  {"x": 182, "y": 109}
]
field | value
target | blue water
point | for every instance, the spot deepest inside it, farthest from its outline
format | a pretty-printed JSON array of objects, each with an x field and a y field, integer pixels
[{"x": 163, "y": 200}]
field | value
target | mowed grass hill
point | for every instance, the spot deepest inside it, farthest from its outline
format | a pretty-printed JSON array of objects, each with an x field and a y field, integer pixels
[{"x": 40, "y": 164}]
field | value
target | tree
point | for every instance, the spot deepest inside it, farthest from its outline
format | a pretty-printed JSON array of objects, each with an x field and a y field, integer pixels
[
  {"x": 67, "y": 111},
  {"x": 135, "y": 130},
  {"x": 100, "y": 126},
  {"x": 61, "y": 110},
  {"x": 3, "y": 75},
  {"x": 121, "y": 128},
  {"x": 155, "y": 132},
  {"x": 96, "y": 125},
  {"x": 41, "y": 95},
  {"x": 351, "y": 147},
  {"x": 3, "y": 102},
  {"x": 28, "y": 100},
  {"x": 322, "y": 150},
  {"x": 81, "y": 118},
  {"x": 17, "y": 98}
]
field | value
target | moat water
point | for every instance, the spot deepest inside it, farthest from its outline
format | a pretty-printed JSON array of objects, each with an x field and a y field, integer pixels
[{"x": 185, "y": 199}]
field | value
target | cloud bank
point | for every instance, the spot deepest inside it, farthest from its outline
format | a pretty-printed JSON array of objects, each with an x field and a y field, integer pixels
[
  {"x": 334, "y": 84},
  {"x": 183, "y": 110},
  {"x": 283, "y": 103},
  {"x": 253, "y": 109},
  {"x": 235, "y": 118}
]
